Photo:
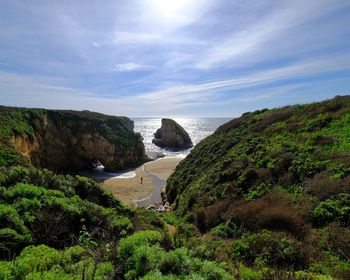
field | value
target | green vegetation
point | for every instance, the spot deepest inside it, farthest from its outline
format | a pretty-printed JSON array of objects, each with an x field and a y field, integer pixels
[
  {"x": 269, "y": 185},
  {"x": 40, "y": 207},
  {"x": 67, "y": 227},
  {"x": 15, "y": 122},
  {"x": 265, "y": 197}
]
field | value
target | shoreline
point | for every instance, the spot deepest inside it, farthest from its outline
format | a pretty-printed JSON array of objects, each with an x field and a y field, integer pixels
[{"x": 131, "y": 191}]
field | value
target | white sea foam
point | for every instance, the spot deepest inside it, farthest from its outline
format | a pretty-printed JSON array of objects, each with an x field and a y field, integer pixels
[{"x": 122, "y": 175}]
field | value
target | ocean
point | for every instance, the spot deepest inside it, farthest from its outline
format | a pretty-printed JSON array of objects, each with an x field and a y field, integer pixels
[{"x": 197, "y": 128}]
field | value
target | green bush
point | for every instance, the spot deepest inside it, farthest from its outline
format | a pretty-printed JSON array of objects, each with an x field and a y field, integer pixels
[
  {"x": 35, "y": 259},
  {"x": 13, "y": 233},
  {"x": 171, "y": 219},
  {"x": 222, "y": 230},
  {"x": 129, "y": 245},
  {"x": 271, "y": 249},
  {"x": 157, "y": 275},
  {"x": 121, "y": 226},
  {"x": 333, "y": 209},
  {"x": 145, "y": 258},
  {"x": 42, "y": 262},
  {"x": 246, "y": 273},
  {"x": 8, "y": 158},
  {"x": 6, "y": 270},
  {"x": 53, "y": 274}
]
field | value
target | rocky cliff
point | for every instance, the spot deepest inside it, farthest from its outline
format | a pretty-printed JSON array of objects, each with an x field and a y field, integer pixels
[
  {"x": 173, "y": 135},
  {"x": 68, "y": 140}
]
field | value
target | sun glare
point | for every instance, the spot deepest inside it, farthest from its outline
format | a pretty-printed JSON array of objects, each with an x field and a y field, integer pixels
[{"x": 171, "y": 11}]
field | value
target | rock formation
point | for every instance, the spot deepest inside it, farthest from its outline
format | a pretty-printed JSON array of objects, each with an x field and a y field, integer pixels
[
  {"x": 172, "y": 135},
  {"x": 71, "y": 140}
]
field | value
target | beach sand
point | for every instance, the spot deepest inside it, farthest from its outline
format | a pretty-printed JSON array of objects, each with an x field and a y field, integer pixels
[
  {"x": 127, "y": 190},
  {"x": 162, "y": 167}
]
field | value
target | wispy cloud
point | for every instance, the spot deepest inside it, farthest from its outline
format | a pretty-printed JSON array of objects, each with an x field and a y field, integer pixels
[
  {"x": 187, "y": 57},
  {"x": 44, "y": 91},
  {"x": 264, "y": 34},
  {"x": 134, "y": 38},
  {"x": 130, "y": 66},
  {"x": 302, "y": 69}
]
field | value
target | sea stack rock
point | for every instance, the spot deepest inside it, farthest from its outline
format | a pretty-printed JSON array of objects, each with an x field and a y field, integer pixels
[{"x": 172, "y": 135}]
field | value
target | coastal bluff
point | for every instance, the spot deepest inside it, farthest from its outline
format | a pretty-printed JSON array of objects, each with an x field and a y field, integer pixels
[
  {"x": 172, "y": 135},
  {"x": 68, "y": 141}
]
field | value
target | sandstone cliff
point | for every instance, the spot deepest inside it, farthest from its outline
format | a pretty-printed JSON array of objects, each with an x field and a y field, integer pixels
[
  {"x": 173, "y": 135},
  {"x": 69, "y": 140}
]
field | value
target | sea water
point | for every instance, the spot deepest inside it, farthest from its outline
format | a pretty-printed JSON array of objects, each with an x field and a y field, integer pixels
[{"x": 197, "y": 128}]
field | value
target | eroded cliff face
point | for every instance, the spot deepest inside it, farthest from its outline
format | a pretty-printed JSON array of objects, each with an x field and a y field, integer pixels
[{"x": 71, "y": 141}]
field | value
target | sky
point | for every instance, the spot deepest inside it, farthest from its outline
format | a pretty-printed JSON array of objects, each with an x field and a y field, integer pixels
[{"x": 174, "y": 58}]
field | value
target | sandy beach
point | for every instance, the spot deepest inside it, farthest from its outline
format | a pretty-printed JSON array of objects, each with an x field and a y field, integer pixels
[{"x": 130, "y": 190}]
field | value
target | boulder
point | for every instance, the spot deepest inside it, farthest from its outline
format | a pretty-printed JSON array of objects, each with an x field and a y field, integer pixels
[{"x": 172, "y": 135}]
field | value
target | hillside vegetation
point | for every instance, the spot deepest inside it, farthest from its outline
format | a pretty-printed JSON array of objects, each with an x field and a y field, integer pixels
[
  {"x": 265, "y": 197},
  {"x": 64, "y": 227},
  {"x": 276, "y": 183}
]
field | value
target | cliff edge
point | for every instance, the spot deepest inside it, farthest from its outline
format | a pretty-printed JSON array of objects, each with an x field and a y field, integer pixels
[
  {"x": 173, "y": 135},
  {"x": 68, "y": 140}
]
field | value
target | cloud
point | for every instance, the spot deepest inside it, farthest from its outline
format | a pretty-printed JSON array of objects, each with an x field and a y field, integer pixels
[
  {"x": 49, "y": 92},
  {"x": 128, "y": 67},
  {"x": 255, "y": 41},
  {"x": 134, "y": 38},
  {"x": 301, "y": 69},
  {"x": 144, "y": 59}
]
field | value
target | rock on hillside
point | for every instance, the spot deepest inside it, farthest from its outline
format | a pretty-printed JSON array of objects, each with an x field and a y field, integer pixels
[
  {"x": 68, "y": 140},
  {"x": 275, "y": 169},
  {"x": 173, "y": 135}
]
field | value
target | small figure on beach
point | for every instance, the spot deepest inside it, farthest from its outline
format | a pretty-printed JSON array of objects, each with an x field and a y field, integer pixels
[{"x": 141, "y": 180}]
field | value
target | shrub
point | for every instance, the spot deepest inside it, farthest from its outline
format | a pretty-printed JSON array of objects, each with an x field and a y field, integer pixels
[
  {"x": 210, "y": 270},
  {"x": 333, "y": 209},
  {"x": 257, "y": 191},
  {"x": 129, "y": 245},
  {"x": 157, "y": 275},
  {"x": 14, "y": 235},
  {"x": 35, "y": 259},
  {"x": 271, "y": 249},
  {"x": 8, "y": 158},
  {"x": 54, "y": 274},
  {"x": 17, "y": 174},
  {"x": 29, "y": 191},
  {"x": 339, "y": 240},
  {"x": 5, "y": 270},
  {"x": 305, "y": 167},
  {"x": 72, "y": 255},
  {"x": 246, "y": 273},
  {"x": 176, "y": 262},
  {"x": 170, "y": 219},
  {"x": 273, "y": 211},
  {"x": 221, "y": 230},
  {"x": 121, "y": 226},
  {"x": 273, "y": 117},
  {"x": 147, "y": 220},
  {"x": 322, "y": 186}
]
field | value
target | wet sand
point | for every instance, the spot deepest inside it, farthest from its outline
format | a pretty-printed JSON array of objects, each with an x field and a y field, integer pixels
[{"x": 130, "y": 190}]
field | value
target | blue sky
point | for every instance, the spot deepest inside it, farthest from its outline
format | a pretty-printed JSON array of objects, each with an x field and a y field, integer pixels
[{"x": 181, "y": 58}]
